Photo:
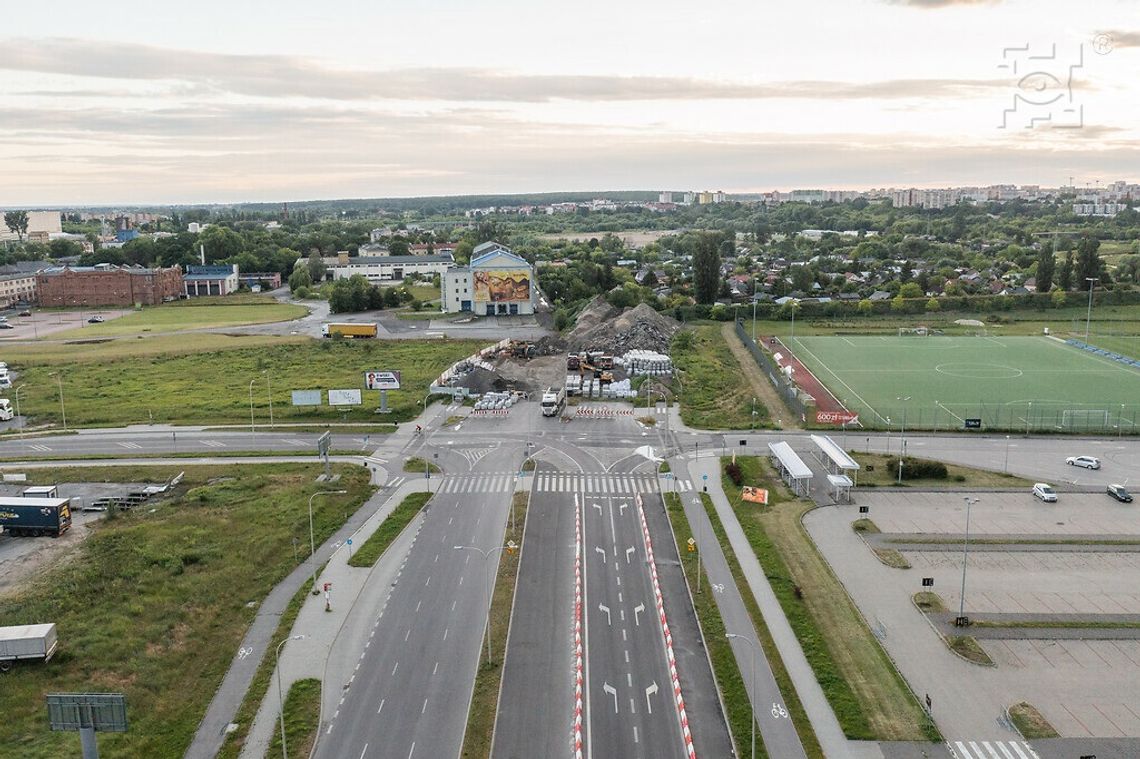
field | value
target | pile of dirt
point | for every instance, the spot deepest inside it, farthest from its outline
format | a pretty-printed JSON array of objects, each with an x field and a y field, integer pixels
[
  {"x": 607, "y": 329},
  {"x": 480, "y": 381}
]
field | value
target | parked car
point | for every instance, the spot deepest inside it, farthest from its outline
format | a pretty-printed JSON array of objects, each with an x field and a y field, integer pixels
[
  {"x": 1119, "y": 493},
  {"x": 95, "y": 320},
  {"x": 1045, "y": 492},
  {"x": 1088, "y": 462},
  {"x": 25, "y": 312},
  {"x": 6, "y": 325}
]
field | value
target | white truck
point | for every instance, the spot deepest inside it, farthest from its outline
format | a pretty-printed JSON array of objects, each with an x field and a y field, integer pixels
[
  {"x": 6, "y": 411},
  {"x": 20, "y": 642},
  {"x": 553, "y": 400}
]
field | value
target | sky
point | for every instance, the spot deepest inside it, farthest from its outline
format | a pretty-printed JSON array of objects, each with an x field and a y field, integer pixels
[{"x": 249, "y": 100}]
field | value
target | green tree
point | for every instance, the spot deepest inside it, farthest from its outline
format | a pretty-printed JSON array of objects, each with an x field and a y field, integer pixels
[
  {"x": 220, "y": 242},
  {"x": 317, "y": 267},
  {"x": 300, "y": 278},
  {"x": 1065, "y": 272},
  {"x": 1058, "y": 298},
  {"x": 1046, "y": 265},
  {"x": 802, "y": 278},
  {"x": 1089, "y": 265},
  {"x": 910, "y": 290},
  {"x": 933, "y": 305},
  {"x": 706, "y": 269},
  {"x": 399, "y": 248},
  {"x": 865, "y": 307},
  {"x": 17, "y": 221}
]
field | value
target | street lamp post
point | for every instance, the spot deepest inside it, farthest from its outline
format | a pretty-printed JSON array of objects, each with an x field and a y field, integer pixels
[
  {"x": 251, "y": 403},
  {"x": 21, "y": 387},
  {"x": 753, "y": 310},
  {"x": 752, "y": 701},
  {"x": 269, "y": 391},
  {"x": 280, "y": 697},
  {"x": 965, "y": 554},
  {"x": 62, "y": 408},
  {"x": 1088, "y": 315},
  {"x": 312, "y": 542},
  {"x": 487, "y": 586},
  {"x": 1006, "y": 467}
]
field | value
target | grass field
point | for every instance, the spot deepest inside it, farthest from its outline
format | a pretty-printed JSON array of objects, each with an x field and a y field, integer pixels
[
  {"x": 390, "y": 529},
  {"x": 1011, "y": 383},
  {"x": 109, "y": 385},
  {"x": 714, "y": 391},
  {"x": 198, "y": 313},
  {"x": 154, "y": 603},
  {"x": 1125, "y": 345}
]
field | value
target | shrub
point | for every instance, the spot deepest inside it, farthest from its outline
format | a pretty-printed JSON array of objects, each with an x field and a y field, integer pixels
[
  {"x": 732, "y": 469},
  {"x": 918, "y": 469}
]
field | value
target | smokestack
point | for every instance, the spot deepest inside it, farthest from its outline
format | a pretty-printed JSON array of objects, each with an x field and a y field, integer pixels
[{"x": 202, "y": 253}]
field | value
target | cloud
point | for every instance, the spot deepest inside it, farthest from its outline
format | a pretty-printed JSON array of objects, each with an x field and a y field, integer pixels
[
  {"x": 929, "y": 4},
  {"x": 1121, "y": 39},
  {"x": 290, "y": 76}
]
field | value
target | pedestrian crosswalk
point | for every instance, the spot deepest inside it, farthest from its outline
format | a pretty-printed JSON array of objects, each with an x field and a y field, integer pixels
[
  {"x": 616, "y": 484},
  {"x": 992, "y": 750},
  {"x": 497, "y": 482}
]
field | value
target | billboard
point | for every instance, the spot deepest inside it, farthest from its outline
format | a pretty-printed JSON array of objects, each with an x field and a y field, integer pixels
[
  {"x": 344, "y": 397},
  {"x": 503, "y": 285},
  {"x": 836, "y": 417},
  {"x": 306, "y": 397},
  {"x": 381, "y": 380},
  {"x": 754, "y": 495}
]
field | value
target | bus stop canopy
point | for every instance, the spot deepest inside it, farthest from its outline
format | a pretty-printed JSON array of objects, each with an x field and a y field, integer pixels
[
  {"x": 838, "y": 461},
  {"x": 795, "y": 472}
]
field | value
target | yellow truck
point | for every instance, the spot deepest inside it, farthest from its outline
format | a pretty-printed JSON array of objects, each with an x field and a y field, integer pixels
[{"x": 348, "y": 329}]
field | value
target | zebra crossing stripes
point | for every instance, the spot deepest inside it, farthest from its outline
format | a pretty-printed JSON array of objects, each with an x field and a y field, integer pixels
[
  {"x": 601, "y": 484},
  {"x": 477, "y": 483},
  {"x": 992, "y": 750}
]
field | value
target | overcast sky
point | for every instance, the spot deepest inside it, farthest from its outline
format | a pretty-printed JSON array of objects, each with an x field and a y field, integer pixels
[{"x": 252, "y": 100}]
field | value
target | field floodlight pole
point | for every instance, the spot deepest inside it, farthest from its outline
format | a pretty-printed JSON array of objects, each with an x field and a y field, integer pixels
[
  {"x": 280, "y": 697},
  {"x": 751, "y": 701},
  {"x": 251, "y": 404},
  {"x": 312, "y": 543},
  {"x": 1088, "y": 315},
  {"x": 965, "y": 555},
  {"x": 753, "y": 309}
]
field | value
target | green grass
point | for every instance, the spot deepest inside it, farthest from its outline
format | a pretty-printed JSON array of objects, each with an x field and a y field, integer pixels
[
  {"x": 417, "y": 465},
  {"x": 213, "y": 386},
  {"x": 888, "y": 556},
  {"x": 389, "y": 530},
  {"x": 870, "y": 698},
  {"x": 714, "y": 391},
  {"x": 729, "y": 680},
  {"x": 154, "y": 604},
  {"x": 184, "y": 315},
  {"x": 1125, "y": 345},
  {"x": 302, "y": 718},
  {"x": 1010, "y": 383},
  {"x": 478, "y": 736},
  {"x": 1031, "y": 723},
  {"x": 965, "y": 646},
  {"x": 959, "y": 476},
  {"x": 418, "y": 316}
]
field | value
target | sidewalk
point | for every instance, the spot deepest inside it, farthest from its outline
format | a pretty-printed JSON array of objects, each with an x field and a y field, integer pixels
[
  {"x": 359, "y": 592},
  {"x": 819, "y": 711}
]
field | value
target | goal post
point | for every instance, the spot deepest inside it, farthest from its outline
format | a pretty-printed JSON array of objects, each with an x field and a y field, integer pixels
[{"x": 913, "y": 332}]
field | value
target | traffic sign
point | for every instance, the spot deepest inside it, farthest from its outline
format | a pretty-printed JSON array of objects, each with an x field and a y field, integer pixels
[
  {"x": 704, "y": 476},
  {"x": 349, "y": 541},
  {"x": 692, "y": 545},
  {"x": 511, "y": 547}
]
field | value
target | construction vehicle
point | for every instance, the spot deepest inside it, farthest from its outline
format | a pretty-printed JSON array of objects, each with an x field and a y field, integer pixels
[
  {"x": 573, "y": 361},
  {"x": 521, "y": 349},
  {"x": 594, "y": 362}
]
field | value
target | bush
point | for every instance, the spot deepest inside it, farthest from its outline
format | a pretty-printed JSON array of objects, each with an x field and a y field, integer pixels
[
  {"x": 732, "y": 469},
  {"x": 918, "y": 469}
]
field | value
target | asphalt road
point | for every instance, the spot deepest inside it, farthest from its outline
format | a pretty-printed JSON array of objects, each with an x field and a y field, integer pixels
[{"x": 411, "y": 695}]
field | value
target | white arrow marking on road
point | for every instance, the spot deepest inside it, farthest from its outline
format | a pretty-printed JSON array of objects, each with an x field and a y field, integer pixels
[
  {"x": 613, "y": 692},
  {"x": 621, "y": 507},
  {"x": 636, "y": 611},
  {"x": 606, "y": 609},
  {"x": 628, "y": 552},
  {"x": 598, "y": 506},
  {"x": 602, "y": 551},
  {"x": 650, "y": 691}
]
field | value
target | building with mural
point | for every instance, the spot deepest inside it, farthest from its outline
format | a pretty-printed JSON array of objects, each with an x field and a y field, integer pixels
[{"x": 496, "y": 283}]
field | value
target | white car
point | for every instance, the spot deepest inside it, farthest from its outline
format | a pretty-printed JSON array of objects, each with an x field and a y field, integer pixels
[
  {"x": 1045, "y": 492},
  {"x": 1088, "y": 462}
]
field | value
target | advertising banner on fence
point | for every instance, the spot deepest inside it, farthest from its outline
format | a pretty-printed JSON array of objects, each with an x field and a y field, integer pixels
[
  {"x": 381, "y": 380},
  {"x": 753, "y": 495},
  {"x": 306, "y": 397},
  {"x": 836, "y": 417},
  {"x": 500, "y": 286},
  {"x": 344, "y": 397}
]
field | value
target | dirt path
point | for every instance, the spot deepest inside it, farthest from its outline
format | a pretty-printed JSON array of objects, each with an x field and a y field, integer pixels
[
  {"x": 767, "y": 394},
  {"x": 36, "y": 555}
]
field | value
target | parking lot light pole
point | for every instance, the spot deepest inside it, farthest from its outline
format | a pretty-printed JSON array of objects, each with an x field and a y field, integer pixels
[
  {"x": 280, "y": 697},
  {"x": 312, "y": 543},
  {"x": 487, "y": 585},
  {"x": 965, "y": 554},
  {"x": 251, "y": 403},
  {"x": 752, "y": 701},
  {"x": 1088, "y": 315}
]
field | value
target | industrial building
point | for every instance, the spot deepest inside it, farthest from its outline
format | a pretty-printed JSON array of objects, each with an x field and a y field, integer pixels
[
  {"x": 496, "y": 283},
  {"x": 107, "y": 285},
  {"x": 210, "y": 280}
]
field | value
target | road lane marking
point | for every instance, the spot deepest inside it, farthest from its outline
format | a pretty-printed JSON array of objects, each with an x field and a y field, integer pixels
[
  {"x": 435, "y": 668},
  {"x": 407, "y": 635},
  {"x": 650, "y": 690},
  {"x": 606, "y": 609},
  {"x": 364, "y": 751},
  {"x": 629, "y": 552},
  {"x": 445, "y": 633},
  {"x": 418, "y": 604},
  {"x": 394, "y": 669},
  {"x": 637, "y": 611},
  {"x": 611, "y": 690},
  {"x": 381, "y": 706},
  {"x": 635, "y": 734},
  {"x": 602, "y": 551},
  {"x": 413, "y": 750},
  {"x": 424, "y": 708},
  {"x": 629, "y": 679}
]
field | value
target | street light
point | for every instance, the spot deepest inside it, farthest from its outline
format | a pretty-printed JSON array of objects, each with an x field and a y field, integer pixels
[
  {"x": 965, "y": 553},
  {"x": 1088, "y": 316},
  {"x": 62, "y": 408},
  {"x": 251, "y": 403},
  {"x": 751, "y": 701},
  {"x": 280, "y": 697},
  {"x": 269, "y": 390},
  {"x": 487, "y": 588},
  {"x": 21, "y": 387},
  {"x": 312, "y": 544}
]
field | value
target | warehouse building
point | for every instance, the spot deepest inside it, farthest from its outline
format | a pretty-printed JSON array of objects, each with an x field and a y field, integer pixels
[
  {"x": 496, "y": 283},
  {"x": 107, "y": 285}
]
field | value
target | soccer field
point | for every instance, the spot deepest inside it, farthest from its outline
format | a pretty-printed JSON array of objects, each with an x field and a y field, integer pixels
[{"x": 1009, "y": 383}]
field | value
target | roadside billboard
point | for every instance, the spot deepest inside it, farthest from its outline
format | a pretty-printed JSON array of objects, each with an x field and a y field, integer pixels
[
  {"x": 836, "y": 417},
  {"x": 306, "y": 397},
  {"x": 381, "y": 380},
  {"x": 502, "y": 285},
  {"x": 753, "y": 495},
  {"x": 344, "y": 397}
]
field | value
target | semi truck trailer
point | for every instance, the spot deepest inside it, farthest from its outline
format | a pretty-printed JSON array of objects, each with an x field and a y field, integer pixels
[
  {"x": 553, "y": 400},
  {"x": 348, "y": 329},
  {"x": 35, "y": 517}
]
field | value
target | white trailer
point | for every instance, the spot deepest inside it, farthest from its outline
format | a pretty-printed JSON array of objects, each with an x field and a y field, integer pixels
[{"x": 37, "y": 642}]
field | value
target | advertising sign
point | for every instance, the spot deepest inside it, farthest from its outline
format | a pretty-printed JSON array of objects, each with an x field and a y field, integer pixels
[
  {"x": 753, "y": 495},
  {"x": 344, "y": 397},
  {"x": 381, "y": 380},
  {"x": 836, "y": 417},
  {"x": 502, "y": 286},
  {"x": 972, "y": 424},
  {"x": 306, "y": 397}
]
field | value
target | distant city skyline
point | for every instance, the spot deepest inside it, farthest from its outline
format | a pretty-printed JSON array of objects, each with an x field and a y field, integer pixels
[{"x": 270, "y": 102}]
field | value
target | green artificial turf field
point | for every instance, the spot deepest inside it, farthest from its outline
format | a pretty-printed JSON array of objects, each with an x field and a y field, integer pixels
[{"x": 1009, "y": 383}]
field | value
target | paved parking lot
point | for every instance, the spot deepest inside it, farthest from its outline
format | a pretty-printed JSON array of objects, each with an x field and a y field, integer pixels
[{"x": 1083, "y": 687}]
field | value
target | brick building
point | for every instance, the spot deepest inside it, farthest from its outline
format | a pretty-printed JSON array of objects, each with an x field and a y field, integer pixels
[{"x": 107, "y": 285}]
